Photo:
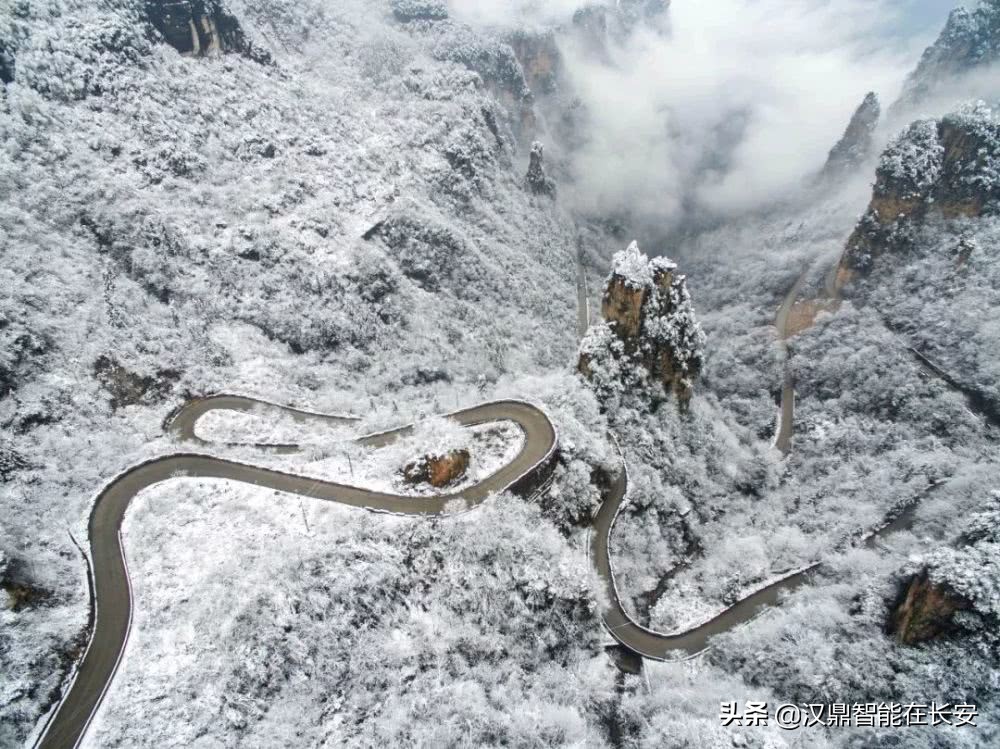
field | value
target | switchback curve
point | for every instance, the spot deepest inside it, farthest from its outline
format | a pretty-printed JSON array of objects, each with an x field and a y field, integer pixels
[
  {"x": 111, "y": 588},
  {"x": 110, "y": 583}
]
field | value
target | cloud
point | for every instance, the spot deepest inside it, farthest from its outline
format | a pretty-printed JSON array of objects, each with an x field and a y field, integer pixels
[
  {"x": 513, "y": 12},
  {"x": 731, "y": 109}
]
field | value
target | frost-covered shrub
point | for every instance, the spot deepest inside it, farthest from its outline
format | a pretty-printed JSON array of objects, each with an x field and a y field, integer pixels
[
  {"x": 427, "y": 634},
  {"x": 674, "y": 325},
  {"x": 441, "y": 84},
  {"x": 11, "y": 462},
  {"x": 471, "y": 152},
  {"x": 375, "y": 278},
  {"x": 80, "y": 56},
  {"x": 419, "y": 10},
  {"x": 972, "y": 568},
  {"x": 251, "y": 147},
  {"x": 291, "y": 20},
  {"x": 911, "y": 165},
  {"x": 971, "y": 138},
  {"x": 493, "y": 60},
  {"x": 607, "y": 370},
  {"x": 383, "y": 59},
  {"x": 20, "y": 350},
  {"x": 427, "y": 250}
]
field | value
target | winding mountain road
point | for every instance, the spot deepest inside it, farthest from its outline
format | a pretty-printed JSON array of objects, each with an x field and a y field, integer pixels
[
  {"x": 582, "y": 299},
  {"x": 110, "y": 581},
  {"x": 655, "y": 645},
  {"x": 111, "y": 587},
  {"x": 786, "y": 415}
]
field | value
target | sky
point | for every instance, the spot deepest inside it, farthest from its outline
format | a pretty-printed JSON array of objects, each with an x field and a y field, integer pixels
[{"x": 926, "y": 15}]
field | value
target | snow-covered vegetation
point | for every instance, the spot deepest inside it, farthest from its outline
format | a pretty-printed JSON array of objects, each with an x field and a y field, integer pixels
[
  {"x": 328, "y": 206},
  {"x": 478, "y": 628}
]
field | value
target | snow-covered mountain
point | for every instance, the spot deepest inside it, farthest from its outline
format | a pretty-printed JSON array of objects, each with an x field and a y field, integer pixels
[
  {"x": 968, "y": 44},
  {"x": 373, "y": 208}
]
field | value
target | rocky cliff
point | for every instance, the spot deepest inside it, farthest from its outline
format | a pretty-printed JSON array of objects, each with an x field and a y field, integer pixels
[
  {"x": 201, "y": 27},
  {"x": 943, "y": 169},
  {"x": 650, "y": 335},
  {"x": 957, "y": 589},
  {"x": 540, "y": 59},
  {"x": 597, "y": 24},
  {"x": 925, "y": 611},
  {"x": 970, "y": 41},
  {"x": 536, "y": 180},
  {"x": 856, "y": 144}
]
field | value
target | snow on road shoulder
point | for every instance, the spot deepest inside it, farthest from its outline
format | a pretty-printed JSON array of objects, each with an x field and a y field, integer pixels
[
  {"x": 195, "y": 547},
  {"x": 269, "y": 425},
  {"x": 330, "y": 453},
  {"x": 491, "y": 446}
]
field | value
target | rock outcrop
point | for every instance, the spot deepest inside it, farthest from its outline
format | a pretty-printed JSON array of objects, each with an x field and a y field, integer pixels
[
  {"x": 11, "y": 461},
  {"x": 498, "y": 68},
  {"x": 536, "y": 180},
  {"x": 540, "y": 60},
  {"x": 201, "y": 27},
  {"x": 956, "y": 591},
  {"x": 650, "y": 335},
  {"x": 129, "y": 388},
  {"x": 856, "y": 144},
  {"x": 20, "y": 592},
  {"x": 970, "y": 41},
  {"x": 427, "y": 249},
  {"x": 947, "y": 169},
  {"x": 597, "y": 24},
  {"x": 437, "y": 470},
  {"x": 926, "y": 611},
  {"x": 6, "y": 64}
]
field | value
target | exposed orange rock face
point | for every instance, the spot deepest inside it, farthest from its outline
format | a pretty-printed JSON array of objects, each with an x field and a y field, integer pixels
[
  {"x": 887, "y": 209},
  {"x": 845, "y": 276},
  {"x": 944, "y": 169},
  {"x": 622, "y": 306},
  {"x": 926, "y": 611},
  {"x": 438, "y": 470},
  {"x": 649, "y": 327},
  {"x": 802, "y": 315}
]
